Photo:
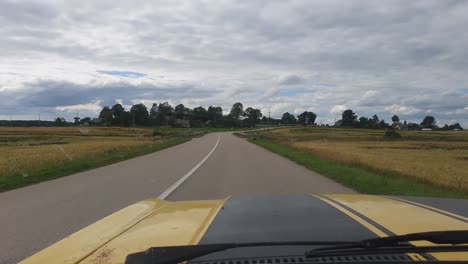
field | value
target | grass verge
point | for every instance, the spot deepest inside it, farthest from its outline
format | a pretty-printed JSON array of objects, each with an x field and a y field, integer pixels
[
  {"x": 363, "y": 180},
  {"x": 9, "y": 182}
]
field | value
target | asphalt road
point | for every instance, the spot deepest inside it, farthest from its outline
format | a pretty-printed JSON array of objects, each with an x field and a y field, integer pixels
[{"x": 37, "y": 216}]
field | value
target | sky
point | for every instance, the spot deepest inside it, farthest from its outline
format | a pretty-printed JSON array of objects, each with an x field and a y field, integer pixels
[{"x": 410, "y": 58}]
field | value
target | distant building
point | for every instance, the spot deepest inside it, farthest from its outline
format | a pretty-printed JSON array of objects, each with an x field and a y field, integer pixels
[
  {"x": 426, "y": 129},
  {"x": 182, "y": 123},
  {"x": 97, "y": 121},
  {"x": 399, "y": 126},
  {"x": 338, "y": 123}
]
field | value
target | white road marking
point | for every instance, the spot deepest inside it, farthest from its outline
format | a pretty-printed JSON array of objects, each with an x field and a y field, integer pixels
[{"x": 171, "y": 189}]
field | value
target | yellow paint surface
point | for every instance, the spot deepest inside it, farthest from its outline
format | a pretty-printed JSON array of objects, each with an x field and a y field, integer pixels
[
  {"x": 178, "y": 223},
  {"x": 402, "y": 218},
  {"x": 149, "y": 223},
  {"x": 77, "y": 246}
]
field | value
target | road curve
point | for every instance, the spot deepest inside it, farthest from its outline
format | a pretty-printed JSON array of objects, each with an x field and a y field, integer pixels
[{"x": 37, "y": 216}]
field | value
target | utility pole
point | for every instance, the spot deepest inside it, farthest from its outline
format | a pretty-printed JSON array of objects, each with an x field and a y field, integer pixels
[{"x": 269, "y": 118}]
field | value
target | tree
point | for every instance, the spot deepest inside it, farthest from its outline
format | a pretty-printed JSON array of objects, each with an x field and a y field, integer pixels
[
  {"x": 457, "y": 126},
  {"x": 454, "y": 126},
  {"x": 106, "y": 115},
  {"x": 413, "y": 126},
  {"x": 164, "y": 110},
  {"x": 382, "y": 124},
  {"x": 288, "y": 118},
  {"x": 85, "y": 120},
  {"x": 60, "y": 121},
  {"x": 253, "y": 116},
  {"x": 154, "y": 110},
  {"x": 395, "y": 119},
  {"x": 117, "y": 110},
  {"x": 364, "y": 122},
  {"x": 215, "y": 114},
  {"x": 126, "y": 119},
  {"x": 348, "y": 118},
  {"x": 77, "y": 120},
  {"x": 375, "y": 121},
  {"x": 180, "y": 111},
  {"x": 306, "y": 118},
  {"x": 237, "y": 111},
  {"x": 428, "y": 121},
  {"x": 200, "y": 114},
  {"x": 139, "y": 114}
]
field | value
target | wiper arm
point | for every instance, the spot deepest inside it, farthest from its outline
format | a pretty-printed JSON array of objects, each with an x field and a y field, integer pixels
[
  {"x": 394, "y": 244},
  {"x": 398, "y": 244}
]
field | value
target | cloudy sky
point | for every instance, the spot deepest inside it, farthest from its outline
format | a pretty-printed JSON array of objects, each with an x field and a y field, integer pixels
[{"x": 408, "y": 58}]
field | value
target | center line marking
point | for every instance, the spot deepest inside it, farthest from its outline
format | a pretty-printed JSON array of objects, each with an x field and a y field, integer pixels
[{"x": 171, "y": 189}]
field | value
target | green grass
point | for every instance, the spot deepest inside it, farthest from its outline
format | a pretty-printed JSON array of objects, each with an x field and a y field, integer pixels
[
  {"x": 359, "y": 178},
  {"x": 9, "y": 182}
]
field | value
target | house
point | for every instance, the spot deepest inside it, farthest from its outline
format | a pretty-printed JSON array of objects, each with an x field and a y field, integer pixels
[
  {"x": 97, "y": 121},
  {"x": 426, "y": 129},
  {"x": 399, "y": 126}
]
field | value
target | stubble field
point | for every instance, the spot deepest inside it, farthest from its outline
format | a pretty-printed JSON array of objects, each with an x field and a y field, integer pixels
[
  {"x": 437, "y": 157},
  {"x": 30, "y": 155}
]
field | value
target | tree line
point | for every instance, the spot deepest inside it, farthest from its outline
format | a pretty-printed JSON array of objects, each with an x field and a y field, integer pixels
[
  {"x": 163, "y": 114},
  {"x": 350, "y": 119}
]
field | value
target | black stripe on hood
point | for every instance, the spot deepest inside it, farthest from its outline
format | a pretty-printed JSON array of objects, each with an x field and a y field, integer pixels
[{"x": 279, "y": 218}]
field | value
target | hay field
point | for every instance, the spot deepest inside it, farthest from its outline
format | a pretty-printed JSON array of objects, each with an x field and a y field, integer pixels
[
  {"x": 437, "y": 157},
  {"x": 23, "y": 150}
]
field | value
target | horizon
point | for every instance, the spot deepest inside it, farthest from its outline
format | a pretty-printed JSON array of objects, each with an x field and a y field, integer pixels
[
  {"x": 70, "y": 119},
  {"x": 385, "y": 58}
]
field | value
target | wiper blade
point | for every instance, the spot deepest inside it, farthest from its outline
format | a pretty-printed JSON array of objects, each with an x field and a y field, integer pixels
[
  {"x": 393, "y": 244},
  {"x": 453, "y": 237},
  {"x": 177, "y": 254},
  {"x": 383, "y": 250},
  {"x": 399, "y": 244}
]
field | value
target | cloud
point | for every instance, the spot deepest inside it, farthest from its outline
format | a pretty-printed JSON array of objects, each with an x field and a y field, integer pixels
[
  {"x": 399, "y": 109},
  {"x": 338, "y": 109},
  {"x": 393, "y": 57},
  {"x": 123, "y": 73},
  {"x": 291, "y": 80},
  {"x": 90, "y": 107}
]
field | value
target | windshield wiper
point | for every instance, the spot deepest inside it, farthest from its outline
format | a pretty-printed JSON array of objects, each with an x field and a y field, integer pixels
[
  {"x": 177, "y": 254},
  {"x": 399, "y": 244},
  {"x": 393, "y": 244}
]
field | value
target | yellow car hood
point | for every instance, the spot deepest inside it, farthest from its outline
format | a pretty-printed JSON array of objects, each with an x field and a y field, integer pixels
[{"x": 153, "y": 223}]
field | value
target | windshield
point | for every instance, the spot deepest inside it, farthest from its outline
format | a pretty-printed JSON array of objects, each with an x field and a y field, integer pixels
[{"x": 127, "y": 125}]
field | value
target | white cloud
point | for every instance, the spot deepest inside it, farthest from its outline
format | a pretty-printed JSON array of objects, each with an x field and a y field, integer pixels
[
  {"x": 392, "y": 58},
  {"x": 90, "y": 107},
  {"x": 399, "y": 109},
  {"x": 338, "y": 109}
]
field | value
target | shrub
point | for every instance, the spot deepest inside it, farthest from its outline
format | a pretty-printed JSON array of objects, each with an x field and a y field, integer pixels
[
  {"x": 157, "y": 133},
  {"x": 392, "y": 134}
]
